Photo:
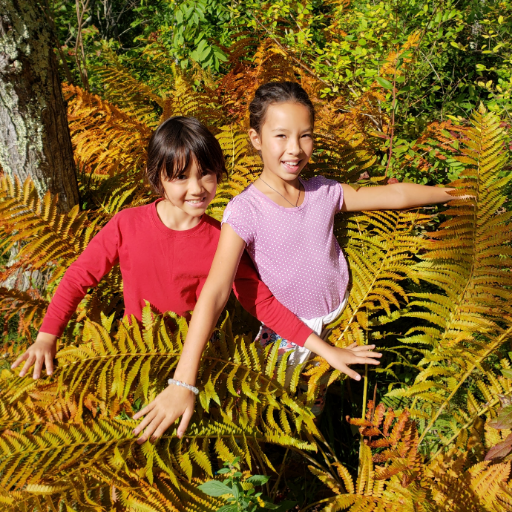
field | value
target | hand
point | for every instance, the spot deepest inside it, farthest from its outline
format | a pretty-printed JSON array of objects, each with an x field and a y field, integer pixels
[
  {"x": 163, "y": 411},
  {"x": 340, "y": 358},
  {"x": 41, "y": 352}
]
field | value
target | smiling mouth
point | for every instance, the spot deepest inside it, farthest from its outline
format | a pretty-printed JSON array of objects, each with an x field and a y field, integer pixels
[
  {"x": 195, "y": 202},
  {"x": 293, "y": 165}
]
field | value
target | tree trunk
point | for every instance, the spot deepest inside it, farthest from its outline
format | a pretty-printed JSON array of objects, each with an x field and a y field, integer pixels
[{"x": 34, "y": 133}]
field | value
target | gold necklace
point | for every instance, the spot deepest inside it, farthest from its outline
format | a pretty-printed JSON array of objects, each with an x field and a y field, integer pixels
[{"x": 289, "y": 202}]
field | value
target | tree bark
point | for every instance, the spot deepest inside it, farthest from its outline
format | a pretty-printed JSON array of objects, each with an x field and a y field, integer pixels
[{"x": 34, "y": 132}]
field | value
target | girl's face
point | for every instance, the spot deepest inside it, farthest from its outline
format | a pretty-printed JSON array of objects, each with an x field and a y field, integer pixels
[
  {"x": 286, "y": 139},
  {"x": 192, "y": 191}
]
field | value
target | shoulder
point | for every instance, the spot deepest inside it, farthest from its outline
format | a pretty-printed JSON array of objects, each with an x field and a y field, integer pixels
[
  {"x": 327, "y": 191},
  {"x": 241, "y": 205},
  {"x": 240, "y": 214},
  {"x": 130, "y": 218},
  {"x": 245, "y": 198},
  {"x": 321, "y": 182},
  {"x": 136, "y": 212},
  {"x": 211, "y": 223}
]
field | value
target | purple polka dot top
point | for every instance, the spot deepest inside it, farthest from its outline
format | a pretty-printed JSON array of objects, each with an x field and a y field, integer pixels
[{"x": 294, "y": 249}]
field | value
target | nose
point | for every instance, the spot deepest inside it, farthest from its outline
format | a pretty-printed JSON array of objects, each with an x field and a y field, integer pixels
[
  {"x": 195, "y": 186},
  {"x": 294, "y": 148}
]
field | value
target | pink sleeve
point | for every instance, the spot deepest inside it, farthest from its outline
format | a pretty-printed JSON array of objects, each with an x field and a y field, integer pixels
[
  {"x": 238, "y": 216},
  {"x": 334, "y": 192},
  {"x": 97, "y": 259},
  {"x": 258, "y": 300},
  {"x": 338, "y": 196}
]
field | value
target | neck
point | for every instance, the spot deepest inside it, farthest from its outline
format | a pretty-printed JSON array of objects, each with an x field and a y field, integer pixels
[
  {"x": 276, "y": 182},
  {"x": 175, "y": 218}
]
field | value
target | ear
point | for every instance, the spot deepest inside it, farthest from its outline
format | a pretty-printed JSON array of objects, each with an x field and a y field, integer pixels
[{"x": 255, "y": 139}]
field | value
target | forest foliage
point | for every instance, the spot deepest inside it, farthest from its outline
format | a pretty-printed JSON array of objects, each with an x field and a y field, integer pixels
[{"x": 407, "y": 90}]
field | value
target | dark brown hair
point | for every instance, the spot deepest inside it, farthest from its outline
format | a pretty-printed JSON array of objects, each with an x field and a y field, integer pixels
[
  {"x": 175, "y": 143},
  {"x": 277, "y": 92}
]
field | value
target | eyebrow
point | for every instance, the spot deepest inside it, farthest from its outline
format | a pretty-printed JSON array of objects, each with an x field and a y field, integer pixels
[{"x": 286, "y": 130}]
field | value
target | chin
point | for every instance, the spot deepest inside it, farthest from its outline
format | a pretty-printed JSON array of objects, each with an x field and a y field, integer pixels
[
  {"x": 289, "y": 175},
  {"x": 197, "y": 213}
]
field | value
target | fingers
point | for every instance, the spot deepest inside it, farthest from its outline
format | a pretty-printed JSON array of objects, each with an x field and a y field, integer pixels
[
  {"x": 162, "y": 427},
  {"x": 369, "y": 354},
  {"x": 146, "y": 421},
  {"x": 28, "y": 363},
  {"x": 23, "y": 357},
  {"x": 185, "y": 419},
  {"x": 37, "y": 356},
  {"x": 365, "y": 351},
  {"x": 351, "y": 373},
  {"x": 48, "y": 359},
  {"x": 144, "y": 411},
  {"x": 38, "y": 366},
  {"x": 150, "y": 429},
  {"x": 359, "y": 348},
  {"x": 366, "y": 360}
]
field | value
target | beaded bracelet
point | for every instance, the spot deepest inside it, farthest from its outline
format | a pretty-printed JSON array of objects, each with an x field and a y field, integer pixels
[{"x": 188, "y": 386}]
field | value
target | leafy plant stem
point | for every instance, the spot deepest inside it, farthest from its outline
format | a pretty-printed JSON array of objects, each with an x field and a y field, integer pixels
[
  {"x": 81, "y": 8},
  {"x": 276, "y": 485},
  {"x": 281, "y": 47},
  {"x": 392, "y": 134},
  {"x": 314, "y": 504},
  {"x": 476, "y": 363},
  {"x": 363, "y": 414}
]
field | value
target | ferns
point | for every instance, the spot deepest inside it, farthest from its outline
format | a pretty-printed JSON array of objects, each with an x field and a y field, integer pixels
[
  {"x": 104, "y": 375},
  {"x": 106, "y": 139},
  {"x": 66, "y": 441},
  {"x": 394, "y": 476},
  {"x": 468, "y": 258},
  {"x": 48, "y": 235}
]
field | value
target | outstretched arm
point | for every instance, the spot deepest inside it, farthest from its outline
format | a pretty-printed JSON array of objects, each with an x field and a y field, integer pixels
[
  {"x": 176, "y": 401},
  {"x": 97, "y": 260},
  {"x": 398, "y": 196}
]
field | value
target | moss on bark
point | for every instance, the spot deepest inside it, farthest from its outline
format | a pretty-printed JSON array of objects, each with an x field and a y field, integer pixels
[{"x": 34, "y": 134}]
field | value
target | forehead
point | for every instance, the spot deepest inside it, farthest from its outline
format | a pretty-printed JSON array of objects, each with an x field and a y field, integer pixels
[{"x": 289, "y": 116}]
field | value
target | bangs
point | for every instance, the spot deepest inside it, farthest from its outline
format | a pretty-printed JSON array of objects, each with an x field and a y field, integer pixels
[
  {"x": 177, "y": 163},
  {"x": 177, "y": 143}
]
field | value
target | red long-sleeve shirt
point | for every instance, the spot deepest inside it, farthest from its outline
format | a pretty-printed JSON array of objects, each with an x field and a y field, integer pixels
[{"x": 165, "y": 267}]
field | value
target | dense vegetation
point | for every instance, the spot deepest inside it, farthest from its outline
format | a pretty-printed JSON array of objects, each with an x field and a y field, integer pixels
[{"x": 405, "y": 90}]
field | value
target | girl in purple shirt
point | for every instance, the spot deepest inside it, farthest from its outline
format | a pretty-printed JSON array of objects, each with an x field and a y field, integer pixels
[{"x": 286, "y": 225}]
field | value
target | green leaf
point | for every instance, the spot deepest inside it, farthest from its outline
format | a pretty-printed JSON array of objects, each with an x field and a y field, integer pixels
[
  {"x": 201, "y": 46},
  {"x": 384, "y": 83},
  {"x": 507, "y": 373},
  {"x": 258, "y": 479},
  {"x": 215, "y": 488},
  {"x": 237, "y": 490},
  {"x": 228, "y": 508}
]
